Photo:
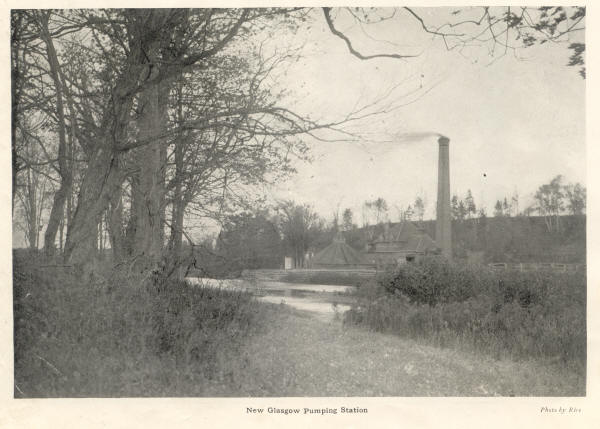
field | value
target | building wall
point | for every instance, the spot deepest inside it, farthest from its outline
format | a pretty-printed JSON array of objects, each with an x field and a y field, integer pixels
[{"x": 391, "y": 258}]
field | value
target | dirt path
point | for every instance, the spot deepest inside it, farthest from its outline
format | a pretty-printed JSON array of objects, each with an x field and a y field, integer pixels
[{"x": 300, "y": 355}]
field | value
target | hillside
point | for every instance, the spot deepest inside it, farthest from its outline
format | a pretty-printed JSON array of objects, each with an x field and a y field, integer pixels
[{"x": 505, "y": 239}]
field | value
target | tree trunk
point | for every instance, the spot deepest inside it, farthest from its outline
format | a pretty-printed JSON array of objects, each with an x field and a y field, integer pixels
[
  {"x": 149, "y": 233},
  {"x": 101, "y": 181},
  {"x": 104, "y": 176},
  {"x": 32, "y": 221},
  {"x": 115, "y": 225},
  {"x": 66, "y": 175},
  {"x": 176, "y": 239},
  {"x": 178, "y": 210}
]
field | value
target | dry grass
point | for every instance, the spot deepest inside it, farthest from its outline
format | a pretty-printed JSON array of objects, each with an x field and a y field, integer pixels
[{"x": 298, "y": 355}]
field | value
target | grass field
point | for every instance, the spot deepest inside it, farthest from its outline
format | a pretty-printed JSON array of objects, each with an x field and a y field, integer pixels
[{"x": 119, "y": 337}]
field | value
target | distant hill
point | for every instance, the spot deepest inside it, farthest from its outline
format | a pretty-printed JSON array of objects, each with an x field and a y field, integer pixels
[{"x": 504, "y": 239}]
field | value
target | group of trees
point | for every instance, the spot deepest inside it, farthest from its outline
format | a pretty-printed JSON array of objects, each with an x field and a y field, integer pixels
[
  {"x": 261, "y": 238},
  {"x": 464, "y": 208},
  {"x": 551, "y": 200},
  {"x": 133, "y": 118},
  {"x": 126, "y": 122},
  {"x": 555, "y": 199}
]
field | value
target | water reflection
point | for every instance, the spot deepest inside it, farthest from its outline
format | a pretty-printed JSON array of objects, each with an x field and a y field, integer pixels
[{"x": 320, "y": 300}]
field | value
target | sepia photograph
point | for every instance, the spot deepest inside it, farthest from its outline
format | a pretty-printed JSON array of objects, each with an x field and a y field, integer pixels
[{"x": 299, "y": 202}]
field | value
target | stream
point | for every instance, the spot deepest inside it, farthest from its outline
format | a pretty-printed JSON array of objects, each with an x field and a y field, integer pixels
[{"x": 322, "y": 301}]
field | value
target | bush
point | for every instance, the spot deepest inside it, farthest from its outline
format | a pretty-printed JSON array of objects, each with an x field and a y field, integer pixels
[
  {"x": 434, "y": 280},
  {"x": 520, "y": 315},
  {"x": 123, "y": 336}
]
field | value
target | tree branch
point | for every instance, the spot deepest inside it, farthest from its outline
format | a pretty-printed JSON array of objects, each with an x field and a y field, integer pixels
[{"x": 353, "y": 51}]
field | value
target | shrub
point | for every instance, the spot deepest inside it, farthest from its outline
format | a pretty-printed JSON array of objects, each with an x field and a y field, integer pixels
[
  {"x": 521, "y": 315},
  {"x": 122, "y": 336},
  {"x": 434, "y": 280}
]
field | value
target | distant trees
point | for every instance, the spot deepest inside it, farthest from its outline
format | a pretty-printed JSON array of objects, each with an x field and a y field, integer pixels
[
  {"x": 499, "y": 209},
  {"x": 33, "y": 193},
  {"x": 576, "y": 198},
  {"x": 300, "y": 227},
  {"x": 375, "y": 212},
  {"x": 250, "y": 240},
  {"x": 463, "y": 209},
  {"x": 347, "y": 219},
  {"x": 502, "y": 208},
  {"x": 550, "y": 202},
  {"x": 471, "y": 208},
  {"x": 419, "y": 205}
]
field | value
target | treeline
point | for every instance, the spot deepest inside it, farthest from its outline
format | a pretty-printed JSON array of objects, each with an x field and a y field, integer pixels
[
  {"x": 517, "y": 239},
  {"x": 552, "y": 228},
  {"x": 262, "y": 238}
]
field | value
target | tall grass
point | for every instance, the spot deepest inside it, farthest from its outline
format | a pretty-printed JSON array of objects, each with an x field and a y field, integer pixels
[
  {"x": 539, "y": 315},
  {"x": 123, "y": 336}
]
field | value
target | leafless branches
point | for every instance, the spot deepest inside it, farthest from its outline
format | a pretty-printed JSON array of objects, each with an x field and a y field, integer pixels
[{"x": 353, "y": 51}]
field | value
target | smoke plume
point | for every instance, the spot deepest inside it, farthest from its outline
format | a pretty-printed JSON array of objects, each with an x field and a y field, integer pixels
[{"x": 409, "y": 137}]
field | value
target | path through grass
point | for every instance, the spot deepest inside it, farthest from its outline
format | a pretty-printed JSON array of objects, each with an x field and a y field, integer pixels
[{"x": 299, "y": 355}]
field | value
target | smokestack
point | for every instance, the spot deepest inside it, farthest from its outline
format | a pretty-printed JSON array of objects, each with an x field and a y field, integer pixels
[{"x": 443, "y": 236}]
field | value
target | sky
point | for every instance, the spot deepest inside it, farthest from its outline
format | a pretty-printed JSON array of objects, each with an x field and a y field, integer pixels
[{"x": 520, "y": 121}]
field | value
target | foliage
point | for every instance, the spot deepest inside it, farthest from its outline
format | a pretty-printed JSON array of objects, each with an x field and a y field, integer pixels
[
  {"x": 348, "y": 219},
  {"x": 518, "y": 239},
  {"x": 300, "y": 227},
  {"x": 123, "y": 336},
  {"x": 514, "y": 314},
  {"x": 419, "y": 208},
  {"x": 576, "y": 195},
  {"x": 435, "y": 280},
  {"x": 250, "y": 241},
  {"x": 375, "y": 211}
]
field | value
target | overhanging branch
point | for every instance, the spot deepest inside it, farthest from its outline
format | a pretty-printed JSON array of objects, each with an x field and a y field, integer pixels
[{"x": 353, "y": 51}]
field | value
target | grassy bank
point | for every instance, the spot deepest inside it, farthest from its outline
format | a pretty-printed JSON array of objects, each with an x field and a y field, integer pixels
[
  {"x": 297, "y": 355},
  {"x": 512, "y": 315},
  {"x": 119, "y": 336}
]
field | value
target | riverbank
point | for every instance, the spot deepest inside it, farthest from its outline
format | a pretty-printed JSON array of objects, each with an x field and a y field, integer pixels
[
  {"x": 120, "y": 336},
  {"x": 299, "y": 355}
]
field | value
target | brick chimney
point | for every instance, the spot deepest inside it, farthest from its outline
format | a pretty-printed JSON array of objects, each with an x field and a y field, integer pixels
[{"x": 443, "y": 235}]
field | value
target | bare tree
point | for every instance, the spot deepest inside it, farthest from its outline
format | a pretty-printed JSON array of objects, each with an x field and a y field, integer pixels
[{"x": 550, "y": 203}]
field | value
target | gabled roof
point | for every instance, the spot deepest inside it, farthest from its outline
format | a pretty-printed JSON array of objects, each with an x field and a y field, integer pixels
[
  {"x": 407, "y": 237},
  {"x": 338, "y": 253}
]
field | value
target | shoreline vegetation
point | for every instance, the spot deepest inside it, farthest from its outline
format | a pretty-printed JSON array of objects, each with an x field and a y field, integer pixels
[
  {"x": 123, "y": 336},
  {"x": 504, "y": 314}
]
